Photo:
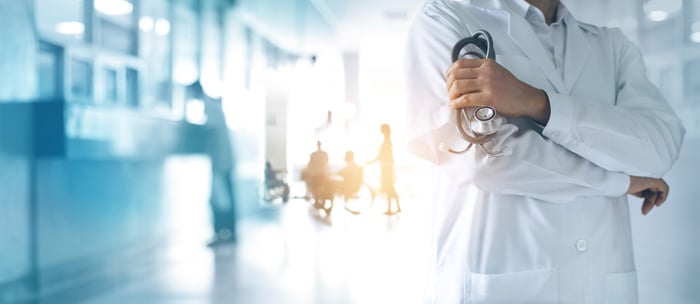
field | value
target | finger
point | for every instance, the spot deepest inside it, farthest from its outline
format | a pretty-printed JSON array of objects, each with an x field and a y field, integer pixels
[
  {"x": 665, "y": 194},
  {"x": 464, "y": 64},
  {"x": 468, "y": 100},
  {"x": 461, "y": 74},
  {"x": 653, "y": 197},
  {"x": 469, "y": 63},
  {"x": 661, "y": 198},
  {"x": 464, "y": 86},
  {"x": 647, "y": 206}
]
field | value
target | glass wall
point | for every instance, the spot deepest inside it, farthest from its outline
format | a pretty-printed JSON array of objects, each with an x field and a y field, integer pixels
[
  {"x": 154, "y": 47},
  {"x": 116, "y": 53}
]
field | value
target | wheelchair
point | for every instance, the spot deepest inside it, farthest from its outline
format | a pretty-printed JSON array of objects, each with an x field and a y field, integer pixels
[
  {"x": 324, "y": 191},
  {"x": 276, "y": 189}
]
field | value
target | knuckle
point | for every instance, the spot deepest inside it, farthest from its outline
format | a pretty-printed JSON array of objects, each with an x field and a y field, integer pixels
[{"x": 452, "y": 92}]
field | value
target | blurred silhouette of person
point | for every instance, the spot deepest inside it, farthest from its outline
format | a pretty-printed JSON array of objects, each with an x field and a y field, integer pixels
[
  {"x": 351, "y": 174},
  {"x": 386, "y": 163},
  {"x": 218, "y": 147},
  {"x": 273, "y": 181},
  {"x": 317, "y": 172}
]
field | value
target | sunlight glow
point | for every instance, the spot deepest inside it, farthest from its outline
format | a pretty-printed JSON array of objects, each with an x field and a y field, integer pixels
[
  {"x": 70, "y": 28},
  {"x": 162, "y": 27},
  {"x": 658, "y": 16},
  {"x": 114, "y": 7},
  {"x": 194, "y": 112},
  {"x": 146, "y": 23}
]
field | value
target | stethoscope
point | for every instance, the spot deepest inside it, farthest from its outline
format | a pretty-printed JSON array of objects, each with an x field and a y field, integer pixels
[{"x": 476, "y": 125}]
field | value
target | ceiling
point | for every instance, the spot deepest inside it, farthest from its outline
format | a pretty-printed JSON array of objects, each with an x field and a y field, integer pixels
[{"x": 361, "y": 22}]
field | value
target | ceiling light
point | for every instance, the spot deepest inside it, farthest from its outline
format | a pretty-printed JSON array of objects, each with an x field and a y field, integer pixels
[
  {"x": 146, "y": 23},
  {"x": 70, "y": 28},
  {"x": 658, "y": 16},
  {"x": 114, "y": 7},
  {"x": 660, "y": 10},
  {"x": 162, "y": 27}
]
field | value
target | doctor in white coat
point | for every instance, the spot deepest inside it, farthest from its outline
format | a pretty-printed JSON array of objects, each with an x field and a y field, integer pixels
[{"x": 548, "y": 222}]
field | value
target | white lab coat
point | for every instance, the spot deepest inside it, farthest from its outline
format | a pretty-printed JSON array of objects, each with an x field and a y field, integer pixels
[{"x": 549, "y": 221}]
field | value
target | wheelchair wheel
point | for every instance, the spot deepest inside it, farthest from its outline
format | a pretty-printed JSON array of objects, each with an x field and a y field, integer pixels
[{"x": 360, "y": 201}]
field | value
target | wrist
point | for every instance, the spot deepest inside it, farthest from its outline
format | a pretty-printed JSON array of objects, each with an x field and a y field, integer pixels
[{"x": 539, "y": 107}]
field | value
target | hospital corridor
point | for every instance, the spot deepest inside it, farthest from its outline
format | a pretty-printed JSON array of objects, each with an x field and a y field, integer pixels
[{"x": 335, "y": 151}]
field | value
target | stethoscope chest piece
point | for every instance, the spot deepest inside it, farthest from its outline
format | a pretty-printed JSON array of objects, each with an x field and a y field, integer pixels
[{"x": 485, "y": 121}]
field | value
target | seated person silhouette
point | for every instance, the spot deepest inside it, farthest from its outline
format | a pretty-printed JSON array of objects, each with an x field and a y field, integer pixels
[
  {"x": 272, "y": 181},
  {"x": 352, "y": 175},
  {"x": 316, "y": 175}
]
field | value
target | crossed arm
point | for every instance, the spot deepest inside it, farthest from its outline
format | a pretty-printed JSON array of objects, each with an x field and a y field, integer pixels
[
  {"x": 485, "y": 82},
  {"x": 546, "y": 167}
]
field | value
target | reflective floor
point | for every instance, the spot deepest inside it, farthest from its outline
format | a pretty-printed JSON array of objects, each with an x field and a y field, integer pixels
[{"x": 292, "y": 254}]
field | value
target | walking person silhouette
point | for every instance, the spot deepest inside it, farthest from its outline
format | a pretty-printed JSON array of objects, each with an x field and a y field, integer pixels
[{"x": 386, "y": 163}]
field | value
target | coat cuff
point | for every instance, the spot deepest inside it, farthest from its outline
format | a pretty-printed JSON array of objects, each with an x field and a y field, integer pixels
[
  {"x": 618, "y": 184},
  {"x": 561, "y": 119}
]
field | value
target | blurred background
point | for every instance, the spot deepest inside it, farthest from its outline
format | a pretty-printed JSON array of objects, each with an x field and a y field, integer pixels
[{"x": 134, "y": 136}]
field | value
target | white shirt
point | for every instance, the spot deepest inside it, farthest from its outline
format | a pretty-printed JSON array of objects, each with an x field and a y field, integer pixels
[
  {"x": 552, "y": 37},
  {"x": 548, "y": 222}
]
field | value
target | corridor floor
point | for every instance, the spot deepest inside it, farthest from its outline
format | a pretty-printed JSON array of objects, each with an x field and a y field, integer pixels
[{"x": 291, "y": 254}]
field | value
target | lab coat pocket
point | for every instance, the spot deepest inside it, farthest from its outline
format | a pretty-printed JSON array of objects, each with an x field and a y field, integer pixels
[
  {"x": 621, "y": 288},
  {"x": 537, "y": 286}
]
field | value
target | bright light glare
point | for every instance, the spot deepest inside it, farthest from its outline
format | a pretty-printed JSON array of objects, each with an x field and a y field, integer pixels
[
  {"x": 695, "y": 37},
  {"x": 162, "y": 27},
  {"x": 146, "y": 23},
  {"x": 114, "y": 7},
  {"x": 70, "y": 28},
  {"x": 194, "y": 112},
  {"x": 185, "y": 73},
  {"x": 660, "y": 10},
  {"x": 658, "y": 16}
]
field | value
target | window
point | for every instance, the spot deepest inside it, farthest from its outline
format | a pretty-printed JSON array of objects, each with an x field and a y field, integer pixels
[
  {"x": 132, "y": 87},
  {"x": 80, "y": 79},
  {"x": 116, "y": 25},
  {"x": 50, "y": 71},
  {"x": 110, "y": 87}
]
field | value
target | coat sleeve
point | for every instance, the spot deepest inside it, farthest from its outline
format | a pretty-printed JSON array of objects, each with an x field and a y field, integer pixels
[
  {"x": 638, "y": 134},
  {"x": 533, "y": 165}
]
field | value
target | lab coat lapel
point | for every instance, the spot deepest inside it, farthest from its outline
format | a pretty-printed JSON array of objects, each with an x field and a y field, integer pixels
[
  {"x": 577, "y": 53},
  {"x": 521, "y": 32}
]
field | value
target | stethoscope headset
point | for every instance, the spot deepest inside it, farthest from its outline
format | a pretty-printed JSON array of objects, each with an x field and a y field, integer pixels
[{"x": 477, "y": 125}]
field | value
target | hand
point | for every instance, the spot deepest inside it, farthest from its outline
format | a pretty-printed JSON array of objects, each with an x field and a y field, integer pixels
[
  {"x": 654, "y": 191},
  {"x": 483, "y": 82}
]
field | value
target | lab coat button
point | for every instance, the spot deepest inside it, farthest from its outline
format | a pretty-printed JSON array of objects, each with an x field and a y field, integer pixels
[{"x": 581, "y": 245}]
